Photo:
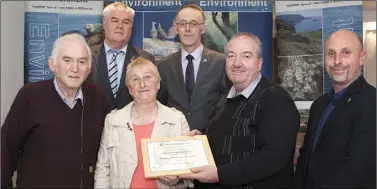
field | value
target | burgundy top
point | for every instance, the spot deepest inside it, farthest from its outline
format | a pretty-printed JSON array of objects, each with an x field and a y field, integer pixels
[{"x": 49, "y": 144}]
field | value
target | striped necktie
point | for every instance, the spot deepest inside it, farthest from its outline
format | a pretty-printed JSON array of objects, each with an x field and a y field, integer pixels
[{"x": 113, "y": 72}]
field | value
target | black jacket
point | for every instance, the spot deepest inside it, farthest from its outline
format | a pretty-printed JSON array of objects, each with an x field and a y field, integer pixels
[{"x": 345, "y": 155}]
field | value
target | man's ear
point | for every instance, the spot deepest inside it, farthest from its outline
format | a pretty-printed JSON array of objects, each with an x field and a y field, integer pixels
[
  {"x": 51, "y": 64},
  {"x": 363, "y": 54},
  {"x": 260, "y": 63},
  {"x": 203, "y": 29},
  {"x": 176, "y": 28}
]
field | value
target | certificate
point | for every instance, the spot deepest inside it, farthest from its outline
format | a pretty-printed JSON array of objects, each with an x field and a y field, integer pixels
[{"x": 175, "y": 155}]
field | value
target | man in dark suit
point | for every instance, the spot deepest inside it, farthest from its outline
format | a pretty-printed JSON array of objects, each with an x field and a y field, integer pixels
[
  {"x": 110, "y": 58},
  {"x": 339, "y": 149},
  {"x": 193, "y": 78}
]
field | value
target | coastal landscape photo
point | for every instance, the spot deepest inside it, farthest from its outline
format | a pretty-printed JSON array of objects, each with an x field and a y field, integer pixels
[{"x": 299, "y": 32}]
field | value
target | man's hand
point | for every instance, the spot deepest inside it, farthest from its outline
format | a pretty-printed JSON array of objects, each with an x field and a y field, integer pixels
[
  {"x": 204, "y": 174},
  {"x": 169, "y": 180},
  {"x": 193, "y": 133}
]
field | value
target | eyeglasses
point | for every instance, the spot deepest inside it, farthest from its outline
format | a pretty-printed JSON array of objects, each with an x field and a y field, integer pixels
[{"x": 192, "y": 24}]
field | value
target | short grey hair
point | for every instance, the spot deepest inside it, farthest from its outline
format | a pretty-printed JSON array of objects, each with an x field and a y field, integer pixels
[
  {"x": 118, "y": 6},
  {"x": 252, "y": 36},
  {"x": 74, "y": 37}
]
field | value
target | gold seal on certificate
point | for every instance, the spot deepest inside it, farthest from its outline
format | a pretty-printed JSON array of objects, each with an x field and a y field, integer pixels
[{"x": 175, "y": 155}]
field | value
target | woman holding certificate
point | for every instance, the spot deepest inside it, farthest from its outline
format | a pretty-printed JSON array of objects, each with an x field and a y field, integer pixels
[{"x": 120, "y": 162}]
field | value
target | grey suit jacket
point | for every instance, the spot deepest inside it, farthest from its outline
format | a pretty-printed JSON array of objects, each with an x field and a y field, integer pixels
[
  {"x": 211, "y": 81},
  {"x": 99, "y": 74}
]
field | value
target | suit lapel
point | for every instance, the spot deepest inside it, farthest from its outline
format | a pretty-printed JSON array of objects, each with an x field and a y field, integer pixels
[
  {"x": 203, "y": 67},
  {"x": 334, "y": 113},
  {"x": 102, "y": 72},
  {"x": 178, "y": 74},
  {"x": 130, "y": 55},
  {"x": 315, "y": 123},
  {"x": 341, "y": 106}
]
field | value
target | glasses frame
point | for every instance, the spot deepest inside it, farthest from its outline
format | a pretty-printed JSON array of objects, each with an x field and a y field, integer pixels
[{"x": 180, "y": 24}]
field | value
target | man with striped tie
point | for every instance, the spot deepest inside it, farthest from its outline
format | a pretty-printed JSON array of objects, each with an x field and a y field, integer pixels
[{"x": 110, "y": 58}]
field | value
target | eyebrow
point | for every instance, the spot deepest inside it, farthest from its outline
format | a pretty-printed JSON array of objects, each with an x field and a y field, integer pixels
[
  {"x": 127, "y": 19},
  {"x": 68, "y": 57},
  {"x": 342, "y": 49},
  {"x": 243, "y": 52},
  {"x": 247, "y": 52}
]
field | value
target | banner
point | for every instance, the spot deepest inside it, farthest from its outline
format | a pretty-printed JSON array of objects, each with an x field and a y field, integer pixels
[
  {"x": 302, "y": 29},
  {"x": 153, "y": 25},
  {"x": 45, "y": 21}
]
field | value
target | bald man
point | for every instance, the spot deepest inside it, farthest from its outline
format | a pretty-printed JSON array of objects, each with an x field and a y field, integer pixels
[{"x": 339, "y": 149}]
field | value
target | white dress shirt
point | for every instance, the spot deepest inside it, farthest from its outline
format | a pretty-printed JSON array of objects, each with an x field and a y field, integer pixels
[
  {"x": 247, "y": 91},
  {"x": 119, "y": 60},
  {"x": 70, "y": 104},
  {"x": 197, "y": 54}
]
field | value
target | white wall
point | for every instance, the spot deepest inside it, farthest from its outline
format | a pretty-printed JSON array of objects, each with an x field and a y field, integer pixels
[
  {"x": 12, "y": 52},
  {"x": 369, "y": 18}
]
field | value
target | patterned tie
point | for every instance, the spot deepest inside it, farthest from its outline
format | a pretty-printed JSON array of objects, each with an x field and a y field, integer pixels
[
  {"x": 113, "y": 70},
  {"x": 190, "y": 77}
]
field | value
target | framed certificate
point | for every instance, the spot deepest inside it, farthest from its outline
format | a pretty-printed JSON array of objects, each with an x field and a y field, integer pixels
[{"x": 175, "y": 155}]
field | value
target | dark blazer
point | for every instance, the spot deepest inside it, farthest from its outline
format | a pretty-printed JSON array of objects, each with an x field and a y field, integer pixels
[
  {"x": 99, "y": 74},
  {"x": 211, "y": 81},
  {"x": 345, "y": 155}
]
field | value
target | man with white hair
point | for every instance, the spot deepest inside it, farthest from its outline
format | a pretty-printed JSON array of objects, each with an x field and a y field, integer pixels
[
  {"x": 110, "y": 58},
  {"x": 52, "y": 132}
]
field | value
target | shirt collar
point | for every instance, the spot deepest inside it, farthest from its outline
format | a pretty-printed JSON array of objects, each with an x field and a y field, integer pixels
[
  {"x": 107, "y": 48},
  {"x": 79, "y": 94},
  {"x": 196, "y": 53},
  {"x": 335, "y": 96},
  {"x": 247, "y": 91}
]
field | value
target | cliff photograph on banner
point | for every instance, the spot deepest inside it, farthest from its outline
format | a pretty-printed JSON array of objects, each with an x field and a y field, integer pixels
[{"x": 302, "y": 29}]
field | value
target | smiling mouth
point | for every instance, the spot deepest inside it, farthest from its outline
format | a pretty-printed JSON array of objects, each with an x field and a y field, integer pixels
[
  {"x": 74, "y": 77},
  {"x": 237, "y": 71},
  {"x": 337, "y": 70}
]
